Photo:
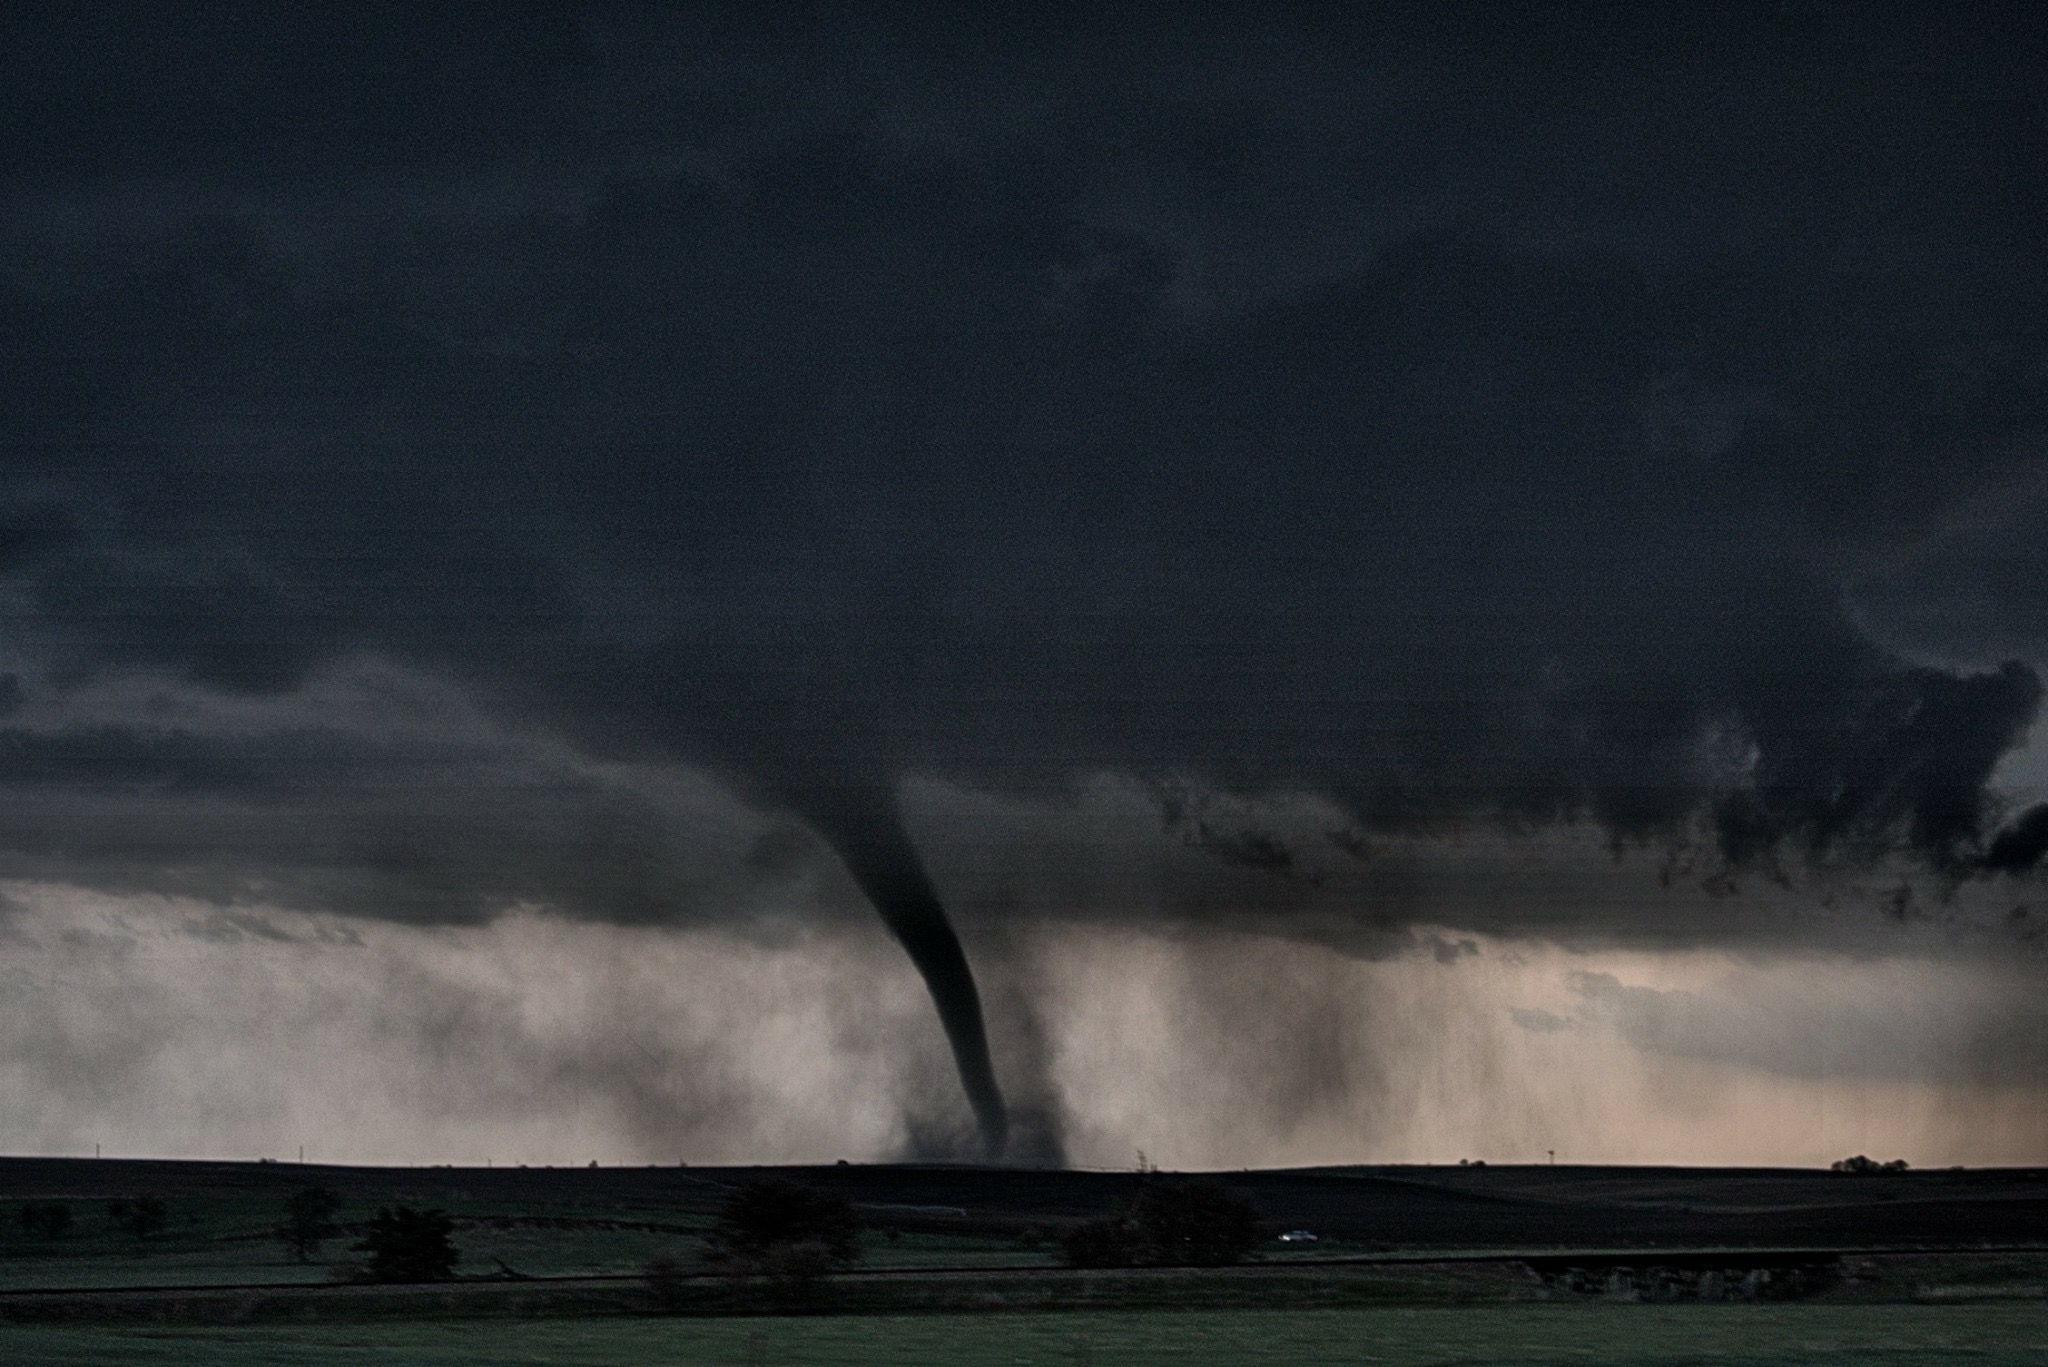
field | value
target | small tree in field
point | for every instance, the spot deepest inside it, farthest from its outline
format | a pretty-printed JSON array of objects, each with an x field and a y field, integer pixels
[
  {"x": 1196, "y": 1224},
  {"x": 1179, "y": 1224},
  {"x": 764, "y": 1219},
  {"x": 308, "y": 1221},
  {"x": 407, "y": 1245}
]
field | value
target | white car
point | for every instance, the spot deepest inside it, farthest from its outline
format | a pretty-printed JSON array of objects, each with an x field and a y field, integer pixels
[{"x": 1297, "y": 1236}]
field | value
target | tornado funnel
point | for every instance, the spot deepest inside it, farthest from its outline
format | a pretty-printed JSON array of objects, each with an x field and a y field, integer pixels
[{"x": 867, "y": 833}]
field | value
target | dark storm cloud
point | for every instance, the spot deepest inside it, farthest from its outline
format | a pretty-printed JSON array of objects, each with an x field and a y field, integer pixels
[
  {"x": 2021, "y": 845},
  {"x": 1517, "y": 422},
  {"x": 401, "y": 802},
  {"x": 830, "y": 449}
]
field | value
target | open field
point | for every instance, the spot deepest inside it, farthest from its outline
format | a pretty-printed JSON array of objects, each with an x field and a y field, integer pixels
[{"x": 2004, "y": 1335}]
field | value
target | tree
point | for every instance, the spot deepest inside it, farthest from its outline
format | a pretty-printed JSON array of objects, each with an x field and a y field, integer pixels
[
  {"x": 308, "y": 1221},
  {"x": 1180, "y": 1224},
  {"x": 1195, "y": 1225},
  {"x": 140, "y": 1216},
  {"x": 45, "y": 1219},
  {"x": 762, "y": 1221},
  {"x": 407, "y": 1245}
]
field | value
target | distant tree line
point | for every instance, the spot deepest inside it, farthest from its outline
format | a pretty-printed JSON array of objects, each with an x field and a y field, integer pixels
[{"x": 1862, "y": 1166}]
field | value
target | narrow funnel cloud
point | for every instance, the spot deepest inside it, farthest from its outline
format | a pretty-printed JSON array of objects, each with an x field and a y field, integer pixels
[{"x": 869, "y": 836}]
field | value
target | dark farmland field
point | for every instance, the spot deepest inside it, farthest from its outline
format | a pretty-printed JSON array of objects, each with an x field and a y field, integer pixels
[{"x": 1392, "y": 1209}]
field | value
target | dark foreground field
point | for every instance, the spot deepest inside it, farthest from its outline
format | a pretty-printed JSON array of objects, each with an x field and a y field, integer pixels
[
  {"x": 1413, "y": 1265},
  {"x": 2004, "y": 1335}
]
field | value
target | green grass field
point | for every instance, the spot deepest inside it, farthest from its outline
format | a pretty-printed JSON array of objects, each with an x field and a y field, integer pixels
[{"x": 2004, "y": 1335}]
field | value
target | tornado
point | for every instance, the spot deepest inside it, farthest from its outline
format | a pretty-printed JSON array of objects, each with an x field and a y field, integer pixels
[{"x": 867, "y": 833}]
